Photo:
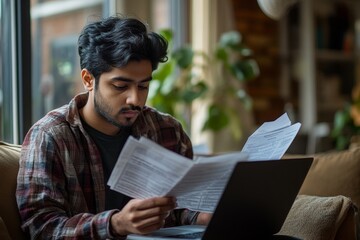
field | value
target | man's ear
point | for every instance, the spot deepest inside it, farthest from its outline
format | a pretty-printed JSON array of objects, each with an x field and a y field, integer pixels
[{"x": 87, "y": 79}]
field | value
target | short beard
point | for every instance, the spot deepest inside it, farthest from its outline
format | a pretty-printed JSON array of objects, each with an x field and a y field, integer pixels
[
  {"x": 103, "y": 110},
  {"x": 106, "y": 116}
]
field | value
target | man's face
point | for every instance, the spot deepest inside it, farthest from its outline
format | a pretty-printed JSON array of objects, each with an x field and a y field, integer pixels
[{"x": 121, "y": 93}]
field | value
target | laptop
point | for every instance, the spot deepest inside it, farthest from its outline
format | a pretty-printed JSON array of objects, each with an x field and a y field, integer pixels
[{"x": 254, "y": 204}]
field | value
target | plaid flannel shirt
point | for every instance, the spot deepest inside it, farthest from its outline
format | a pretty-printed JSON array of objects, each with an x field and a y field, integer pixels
[{"x": 61, "y": 189}]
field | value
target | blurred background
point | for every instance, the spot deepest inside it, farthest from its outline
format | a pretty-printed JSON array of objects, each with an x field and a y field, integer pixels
[{"x": 234, "y": 65}]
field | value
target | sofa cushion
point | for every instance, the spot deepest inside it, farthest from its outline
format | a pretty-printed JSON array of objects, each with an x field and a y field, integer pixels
[
  {"x": 334, "y": 173},
  {"x": 317, "y": 218},
  {"x": 9, "y": 165}
]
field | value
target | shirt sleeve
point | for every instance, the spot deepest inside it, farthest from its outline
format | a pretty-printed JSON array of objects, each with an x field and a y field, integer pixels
[
  {"x": 43, "y": 195},
  {"x": 180, "y": 217}
]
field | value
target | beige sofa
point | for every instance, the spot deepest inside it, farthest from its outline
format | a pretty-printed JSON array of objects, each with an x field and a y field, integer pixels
[
  {"x": 328, "y": 201},
  {"x": 326, "y": 207},
  {"x": 9, "y": 216}
]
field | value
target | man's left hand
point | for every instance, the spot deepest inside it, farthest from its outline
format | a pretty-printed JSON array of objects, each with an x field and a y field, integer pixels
[{"x": 203, "y": 218}]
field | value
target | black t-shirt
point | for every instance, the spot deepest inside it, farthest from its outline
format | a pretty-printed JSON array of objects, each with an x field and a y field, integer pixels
[{"x": 110, "y": 148}]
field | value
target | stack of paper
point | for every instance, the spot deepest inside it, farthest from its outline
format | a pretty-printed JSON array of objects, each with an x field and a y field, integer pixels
[{"x": 145, "y": 169}]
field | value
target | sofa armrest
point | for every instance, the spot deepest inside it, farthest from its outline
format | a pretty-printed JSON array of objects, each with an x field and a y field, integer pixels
[
  {"x": 9, "y": 166},
  {"x": 348, "y": 228},
  {"x": 4, "y": 234}
]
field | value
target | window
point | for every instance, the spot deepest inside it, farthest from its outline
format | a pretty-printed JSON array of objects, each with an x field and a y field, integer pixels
[
  {"x": 56, "y": 71},
  {"x": 39, "y": 63}
]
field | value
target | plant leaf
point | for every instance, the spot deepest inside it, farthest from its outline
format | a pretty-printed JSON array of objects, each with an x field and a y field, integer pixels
[
  {"x": 154, "y": 88},
  {"x": 193, "y": 92},
  {"x": 167, "y": 34},
  {"x": 230, "y": 39},
  {"x": 341, "y": 119},
  {"x": 217, "y": 119},
  {"x": 221, "y": 54},
  {"x": 183, "y": 56},
  {"x": 244, "y": 98},
  {"x": 245, "y": 69},
  {"x": 164, "y": 70}
]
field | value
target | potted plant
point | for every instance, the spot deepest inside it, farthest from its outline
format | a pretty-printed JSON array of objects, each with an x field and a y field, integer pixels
[
  {"x": 346, "y": 127},
  {"x": 181, "y": 80}
]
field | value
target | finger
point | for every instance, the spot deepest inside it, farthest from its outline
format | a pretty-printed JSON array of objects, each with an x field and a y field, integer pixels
[
  {"x": 157, "y": 202},
  {"x": 150, "y": 228},
  {"x": 203, "y": 218},
  {"x": 156, "y": 211},
  {"x": 150, "y": 224},
  {"x": 125, "y": 222}
]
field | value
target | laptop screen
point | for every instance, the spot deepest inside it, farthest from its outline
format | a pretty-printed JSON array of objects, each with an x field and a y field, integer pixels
[{"x": 257, "y": 198}]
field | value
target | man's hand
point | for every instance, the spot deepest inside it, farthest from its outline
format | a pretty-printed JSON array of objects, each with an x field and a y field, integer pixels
[
  {"x": 142, "y": 216},
  {"x": 203, "y": 218}
]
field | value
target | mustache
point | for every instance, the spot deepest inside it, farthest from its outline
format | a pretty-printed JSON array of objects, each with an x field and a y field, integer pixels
[{"x": 131, "y": 108}]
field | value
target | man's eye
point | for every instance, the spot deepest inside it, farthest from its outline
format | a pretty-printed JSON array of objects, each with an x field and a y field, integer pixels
[
  {"x": 143, "y": 87},
  {"x": 120, "y": 87}
]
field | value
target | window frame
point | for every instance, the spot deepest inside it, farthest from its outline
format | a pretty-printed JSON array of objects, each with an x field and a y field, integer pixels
[
  {"x": 23, "y": 69},
  {"x": 16, "y": 72}
]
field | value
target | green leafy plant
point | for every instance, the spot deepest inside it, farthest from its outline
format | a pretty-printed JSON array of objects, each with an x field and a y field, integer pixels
[
  {"x": 347, "y": 121},
  {"x": 231, "y": 65},
  {"x": 180, "y": 81},
  {"x": 346, "y": 124},
  {"x": 174, "y": 86}
]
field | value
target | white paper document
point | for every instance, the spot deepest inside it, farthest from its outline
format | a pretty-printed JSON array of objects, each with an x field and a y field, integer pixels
[
  {"x": 145, "y": 169},
  {"x": 271, "y": 140}
]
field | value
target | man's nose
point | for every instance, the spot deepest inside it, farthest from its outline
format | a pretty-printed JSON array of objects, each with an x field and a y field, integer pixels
[{"x": 133, "y": 97}]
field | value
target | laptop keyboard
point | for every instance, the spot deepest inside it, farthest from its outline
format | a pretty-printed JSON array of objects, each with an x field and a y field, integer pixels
[{"x": 192, "y": 235}]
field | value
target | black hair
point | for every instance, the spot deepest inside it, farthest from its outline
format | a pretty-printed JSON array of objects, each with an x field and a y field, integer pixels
[{"x": 115, "y": 41}]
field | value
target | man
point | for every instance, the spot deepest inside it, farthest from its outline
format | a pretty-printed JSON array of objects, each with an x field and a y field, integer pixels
[{"x": 68, "y": 155}]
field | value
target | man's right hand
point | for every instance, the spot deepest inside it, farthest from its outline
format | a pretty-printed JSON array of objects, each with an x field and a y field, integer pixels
[{"x": 142, "y": 216}]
